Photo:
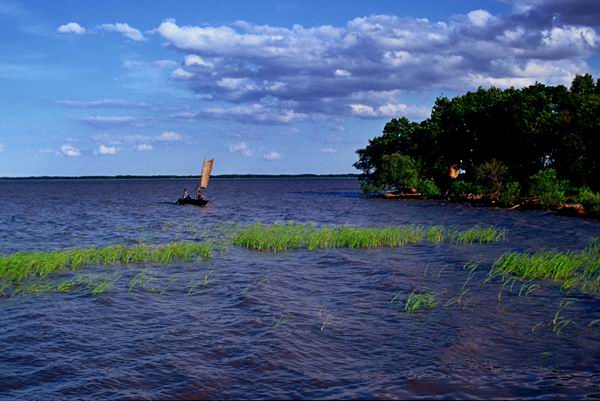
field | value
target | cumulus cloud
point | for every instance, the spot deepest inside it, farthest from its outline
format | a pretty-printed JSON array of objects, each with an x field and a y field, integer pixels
[
  {"x": 107, "y": 150},
  {"x": 241, "y": 148},
  {"x": 70, "y": 150},
  {"x": 144, "y": 147},
  {"x": 125, "y": 30},
  {"x": 272, "y": 156},
  {"x": 71, "y": 27},
  {"x": 270, "y": 74}
]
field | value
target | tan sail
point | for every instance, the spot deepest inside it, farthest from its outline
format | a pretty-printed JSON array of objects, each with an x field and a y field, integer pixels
[{"x": 206, "y": 169}]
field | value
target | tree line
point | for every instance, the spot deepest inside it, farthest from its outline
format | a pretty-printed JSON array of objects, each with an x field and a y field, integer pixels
[{"x": 498, "y": 144}]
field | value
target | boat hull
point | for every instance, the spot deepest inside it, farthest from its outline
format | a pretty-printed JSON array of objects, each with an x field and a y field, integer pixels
[{"x": 195, "y": 202}]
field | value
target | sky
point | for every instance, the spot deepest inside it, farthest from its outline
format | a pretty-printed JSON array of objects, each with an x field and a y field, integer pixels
[{"x": 263, "y": 87}]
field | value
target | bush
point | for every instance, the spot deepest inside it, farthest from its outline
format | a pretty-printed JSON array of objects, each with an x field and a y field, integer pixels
[
  {"x": 491, "y": 176},
  {"x": 462, "y": 187},
  {"x": 590, "y": 200},
  {"x": 511, "y": 194},
  {"x": 428, "y": 188},
  {"x": 400, "y": 171},
  {"x": 551, "y": 190}
]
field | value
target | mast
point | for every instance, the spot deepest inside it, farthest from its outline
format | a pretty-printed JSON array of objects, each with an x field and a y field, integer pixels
[{"x": 206, "y": 170}]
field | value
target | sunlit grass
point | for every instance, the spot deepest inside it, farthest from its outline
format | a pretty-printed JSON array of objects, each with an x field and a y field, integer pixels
[
  {"x": 17, "y": 267},
  {"x": 569, "y": 269},
  {"x": 417, "y": 301},
  {"x": 285, "y": 236}
]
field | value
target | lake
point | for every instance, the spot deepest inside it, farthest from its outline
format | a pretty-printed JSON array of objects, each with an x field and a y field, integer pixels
[{"x": 296, "y": 324}]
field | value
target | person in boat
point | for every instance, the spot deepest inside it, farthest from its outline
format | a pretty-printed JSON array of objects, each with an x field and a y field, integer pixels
[
  {"x": 186, "y": 194},
  {"x": 199, "y": 195}
]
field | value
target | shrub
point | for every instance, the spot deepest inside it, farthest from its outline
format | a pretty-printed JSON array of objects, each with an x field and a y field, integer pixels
[
  {"x": 428, "y": 188},
  {"x": 549, "y": 188},
  {"x": 590, "y": 200},
  {"x": 511, "y": 194},
  {"x": 462, "y": 187},
  {"x": 491, "y": 176},
  {"x": 400, "y": 171}
]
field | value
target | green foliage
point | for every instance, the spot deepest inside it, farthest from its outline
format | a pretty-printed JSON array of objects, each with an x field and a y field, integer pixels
[
  {"x": 549, "y": 188},
  {"x": 511, "y": 194},
  {"x": 462, "y": 187},
  {"x": 590, "y": 200},
  {"x": 571, "y": 270},
  {"x": 17, "y": 267},
  {"x": 491, "y": 176},
  {"x": 282, "y": 237},
  {"x": 420, "y": 300},
  {"x": 428, "y": 188},
  {"x": 495, "y": 135},
  {"x": 400, "y": 171}
]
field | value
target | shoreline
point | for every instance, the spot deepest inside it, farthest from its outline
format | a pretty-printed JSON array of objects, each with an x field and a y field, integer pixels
[{"x": 182, "y": 177}]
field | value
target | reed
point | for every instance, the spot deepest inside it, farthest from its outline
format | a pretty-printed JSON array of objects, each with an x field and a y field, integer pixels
[
  {"x": 280, "y": 237},
  {"x": 19, "y": 266},
  {"x": 572, "y": 270},
  {"x": 417, "y": 301}
]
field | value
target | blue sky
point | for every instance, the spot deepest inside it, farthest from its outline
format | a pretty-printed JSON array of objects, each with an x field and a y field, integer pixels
[{"x": 124, "y": 87}]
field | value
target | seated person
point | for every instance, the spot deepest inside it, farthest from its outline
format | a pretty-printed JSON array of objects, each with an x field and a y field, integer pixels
[
  {"x": 199, "y": 195},
  {"x": 186, "y": 194}
]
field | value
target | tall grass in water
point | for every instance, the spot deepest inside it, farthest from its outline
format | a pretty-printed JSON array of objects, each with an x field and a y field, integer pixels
[
  {"x": 18, "y": 266},
  {"x": 281, "y": 237},
  {"x": 417, "y": 301},
  {"x": 569, "y": 269}
]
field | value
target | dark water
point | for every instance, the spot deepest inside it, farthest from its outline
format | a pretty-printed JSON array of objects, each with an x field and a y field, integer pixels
[{"x": 302, "y": 324}]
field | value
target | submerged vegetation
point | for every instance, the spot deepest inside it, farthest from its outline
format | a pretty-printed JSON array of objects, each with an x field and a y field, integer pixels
[
  {"x": 537, "y": 146},
  {"x": 18, "y": 267},
  {"x": 281, "y": 237},
  {"x": 569, "y": 269}
]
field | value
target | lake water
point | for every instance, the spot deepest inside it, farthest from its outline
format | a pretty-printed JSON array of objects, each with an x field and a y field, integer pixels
[{"x": 300, "y": 324}]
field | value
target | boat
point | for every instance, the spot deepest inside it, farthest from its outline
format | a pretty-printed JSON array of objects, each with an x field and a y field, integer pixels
[{"x": 207, "y": 166}]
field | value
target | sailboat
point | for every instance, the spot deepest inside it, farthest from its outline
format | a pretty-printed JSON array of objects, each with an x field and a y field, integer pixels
[{"x": 207, "y": 166}]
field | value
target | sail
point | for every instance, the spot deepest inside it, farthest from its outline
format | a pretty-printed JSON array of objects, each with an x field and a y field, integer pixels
[{"x": 206, "y": 169}]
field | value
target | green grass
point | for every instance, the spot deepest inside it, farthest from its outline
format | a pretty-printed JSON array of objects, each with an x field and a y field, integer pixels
[
  {"x": 17, "y": 267},
  {"x": 417, "y": 301},
  {"x": 572, "y": 270},
  {"x": 280, "y": 237}
]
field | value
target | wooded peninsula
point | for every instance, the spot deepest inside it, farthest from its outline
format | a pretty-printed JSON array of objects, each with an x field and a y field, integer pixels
[{"x": 538, "y": 146}]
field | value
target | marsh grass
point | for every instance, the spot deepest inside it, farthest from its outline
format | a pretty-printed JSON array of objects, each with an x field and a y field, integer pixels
[
  {"x": 572, "y": 270},
  {"x": 417, "y": 301},
  {"x": 280, "y": 237},
  {"x": 18, "y": 268}
]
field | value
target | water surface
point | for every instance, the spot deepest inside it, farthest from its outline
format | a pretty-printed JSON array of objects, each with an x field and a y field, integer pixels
[{"x": 301, "y": 324}]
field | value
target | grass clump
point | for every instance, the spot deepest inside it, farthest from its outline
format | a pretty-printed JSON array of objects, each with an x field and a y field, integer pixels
[
  {"x": 569, "y": 269},
  {"x": 417, "y": 301},
  {"x": 17, "y": 267},
  {"x": 280, "y": 237}
]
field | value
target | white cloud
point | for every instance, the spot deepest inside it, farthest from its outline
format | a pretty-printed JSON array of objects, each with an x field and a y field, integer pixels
[
  {"x": 180, "y": 73},
  {"x": 111, "y": 121},
  {"x": 70, "y": 150},
  {"x": 390, "y": 110},
  {"x": 165, "y": 63},
  {"x": 193, "y": 59},
  {"x": 272, "y": 156},
  {"x": 125, "y": 30},
  {"x": 328, "y": 150},
  {"x": 170, "y": 136},
  {"x": 480, "y": 18},
  {"x": 107, "y": 150},
  {"x": 241, "y": 148},
  {"x": 144, "y": 147},
  {"x": 274, "y": 74},
  {"x": 71, "y": 27}
]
